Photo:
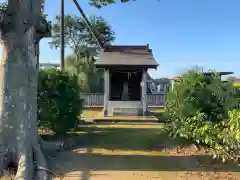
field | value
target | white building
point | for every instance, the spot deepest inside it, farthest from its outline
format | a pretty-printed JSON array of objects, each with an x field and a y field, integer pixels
[{"x": 49, "y": 65}]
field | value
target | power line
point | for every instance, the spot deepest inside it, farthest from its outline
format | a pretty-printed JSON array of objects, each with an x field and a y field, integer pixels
[{"x": 88, "y": 24}]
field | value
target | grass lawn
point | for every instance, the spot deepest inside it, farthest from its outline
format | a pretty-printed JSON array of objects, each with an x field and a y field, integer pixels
[
  {"x": 237, "y": 84},
  {"x": 125, "y": 138},
  {"x": 89, "y": 113},
  {"x": 156, "y": 110},
  {"x": 135, "y": 152}
]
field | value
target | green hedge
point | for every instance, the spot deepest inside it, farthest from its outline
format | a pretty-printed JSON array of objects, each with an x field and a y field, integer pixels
[
  {"x": 59, "y": 101},
  {"x": 195, "y": 92},
  {"x": 198, "y": 110}
]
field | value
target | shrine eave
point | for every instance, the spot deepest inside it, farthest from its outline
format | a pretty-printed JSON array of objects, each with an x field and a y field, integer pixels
[
  {"x": 126, "y": 66},
  {"x": 134, "y": 56}
]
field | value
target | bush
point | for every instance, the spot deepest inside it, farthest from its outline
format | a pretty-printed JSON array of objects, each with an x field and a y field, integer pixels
[
  {"x": 195, "y": 92},
  {"x": 162, "y": 117},
  {"x": 230, "y": 137},
  {"x": 198, "y": 110},
  {"x": 237, "y": 96},
  {"x": 222, "y": 138},
  {"x": 59, "y": 101}
]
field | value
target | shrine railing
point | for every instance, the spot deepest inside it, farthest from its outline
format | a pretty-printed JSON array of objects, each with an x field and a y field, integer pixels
[
  {"x": 155, "y": 100},
  {"x": 97, "y": 100},
  {"x": 93, "y": 100}
]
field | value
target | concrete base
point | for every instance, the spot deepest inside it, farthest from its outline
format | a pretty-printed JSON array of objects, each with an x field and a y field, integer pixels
[
  {"x": 127, "y": 112},
  {"x": 105, "y": 112},
  {"x": 137, "y": 119},
  {"x": 125, "y": 108},
  {"x": 144, "y": 113}
]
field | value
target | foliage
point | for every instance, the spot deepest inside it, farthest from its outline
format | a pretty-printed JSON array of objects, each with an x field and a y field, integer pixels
[
  {"x": 237, "y": 96},
  {"x": 77, "y": 34},
  {"x": 101, "y": 3},
  {"x": 162, "y": 117},
  {"x": 4, "y": 7},
  {"x": 230, "y": 136},
  {"x": 237, "y": 91},
  {"x": 195, "y": 92},
  {"x": 79, "y": 38},
  {"x": 198, "y": 110},
  {"x": 222, "y": 138},
  {"x": 59, "y": 101},
  {"x": 89, "y": 77},
  {"x": 237, "y": 85}
]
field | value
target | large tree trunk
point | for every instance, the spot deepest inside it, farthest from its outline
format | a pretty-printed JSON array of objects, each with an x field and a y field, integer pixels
[{"x": 21, "y": 28}]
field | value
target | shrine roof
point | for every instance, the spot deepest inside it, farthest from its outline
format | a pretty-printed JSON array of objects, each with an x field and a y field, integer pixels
[{"x": 126, "y": 56}]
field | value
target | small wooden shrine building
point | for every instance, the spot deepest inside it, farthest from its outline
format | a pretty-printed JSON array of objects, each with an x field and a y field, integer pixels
[{"x": 125, "y": 78}]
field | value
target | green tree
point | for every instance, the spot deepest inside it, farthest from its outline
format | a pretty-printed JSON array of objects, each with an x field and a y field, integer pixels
[
  {"x": 79, "y": 38},
  {"x": 59, "y": 101},
  {"x": 198, "y": 109},
  {"x": 22, "y": 26},
  {"x": 196, "y": 92},
  {"x": 77, "y": 34},
  {"x": 89, "y": 77},
  {"x": 101, "y": 3}
]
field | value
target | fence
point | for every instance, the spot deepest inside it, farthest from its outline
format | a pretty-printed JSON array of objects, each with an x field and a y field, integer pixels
[
  {"x": 97, "y": 100},
  {"x": 93, "y": 100},
  {"x": 153, "y": 100}
]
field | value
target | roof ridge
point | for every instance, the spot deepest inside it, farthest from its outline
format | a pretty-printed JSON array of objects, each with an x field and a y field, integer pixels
[{"x": 119, "y": 48}]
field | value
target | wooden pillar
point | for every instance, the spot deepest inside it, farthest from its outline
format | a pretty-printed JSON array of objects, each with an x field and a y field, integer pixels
[
  {"x": 106, "y": 91},
  {"x": 144, "y": 91}
]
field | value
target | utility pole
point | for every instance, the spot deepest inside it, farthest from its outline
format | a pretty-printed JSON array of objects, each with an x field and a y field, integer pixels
[{"x": 62, "y": 35}]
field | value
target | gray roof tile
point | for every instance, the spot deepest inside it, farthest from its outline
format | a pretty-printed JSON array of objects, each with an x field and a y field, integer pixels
[{"x": 126, "y": 55}]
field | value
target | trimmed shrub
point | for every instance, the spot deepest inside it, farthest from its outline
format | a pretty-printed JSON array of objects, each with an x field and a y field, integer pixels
[
  {"x": 59, "y": 101},
  {"x": 222, "y": 138},
  {"x": 198, "y": 110},
  {"x": 230, "y": 137},
  {"x": 237, "y": 96},
  {"x": 195, "y": 92}
]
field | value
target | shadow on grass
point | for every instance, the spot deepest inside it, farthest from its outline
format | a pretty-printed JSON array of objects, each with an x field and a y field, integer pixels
[
  {"x": 98, "y": 162},
  {"x": 85, "y": 159},
  {"x": 86, "y": 163},
  {"x": 113, "y": 138}
]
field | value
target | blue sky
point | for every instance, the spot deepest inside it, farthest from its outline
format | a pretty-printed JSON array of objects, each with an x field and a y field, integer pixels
[{"x": 181, "y": 33}]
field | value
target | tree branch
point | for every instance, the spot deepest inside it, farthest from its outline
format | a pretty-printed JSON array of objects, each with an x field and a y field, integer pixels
[
  {"x": 44, "y": 28},
  {"x": 99, "y": 43},
  {"x": 4, "y": 18}
]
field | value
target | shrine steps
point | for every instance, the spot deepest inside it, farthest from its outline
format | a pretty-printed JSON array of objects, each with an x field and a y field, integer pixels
[
  {"x": 128, "y": 119},
  {"x": 125, "y": 108},
  {"x": 127, "y": 112},
  {"x": 100, "y": 118},
  {"x": 124, "y": 112}
]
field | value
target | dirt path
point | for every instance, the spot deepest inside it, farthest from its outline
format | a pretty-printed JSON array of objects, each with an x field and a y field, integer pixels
[{"x": 140, "y": 152}]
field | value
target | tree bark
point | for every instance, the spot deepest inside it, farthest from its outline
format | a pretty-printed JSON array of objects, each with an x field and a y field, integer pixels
[{"x": 19, "y": 143}]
